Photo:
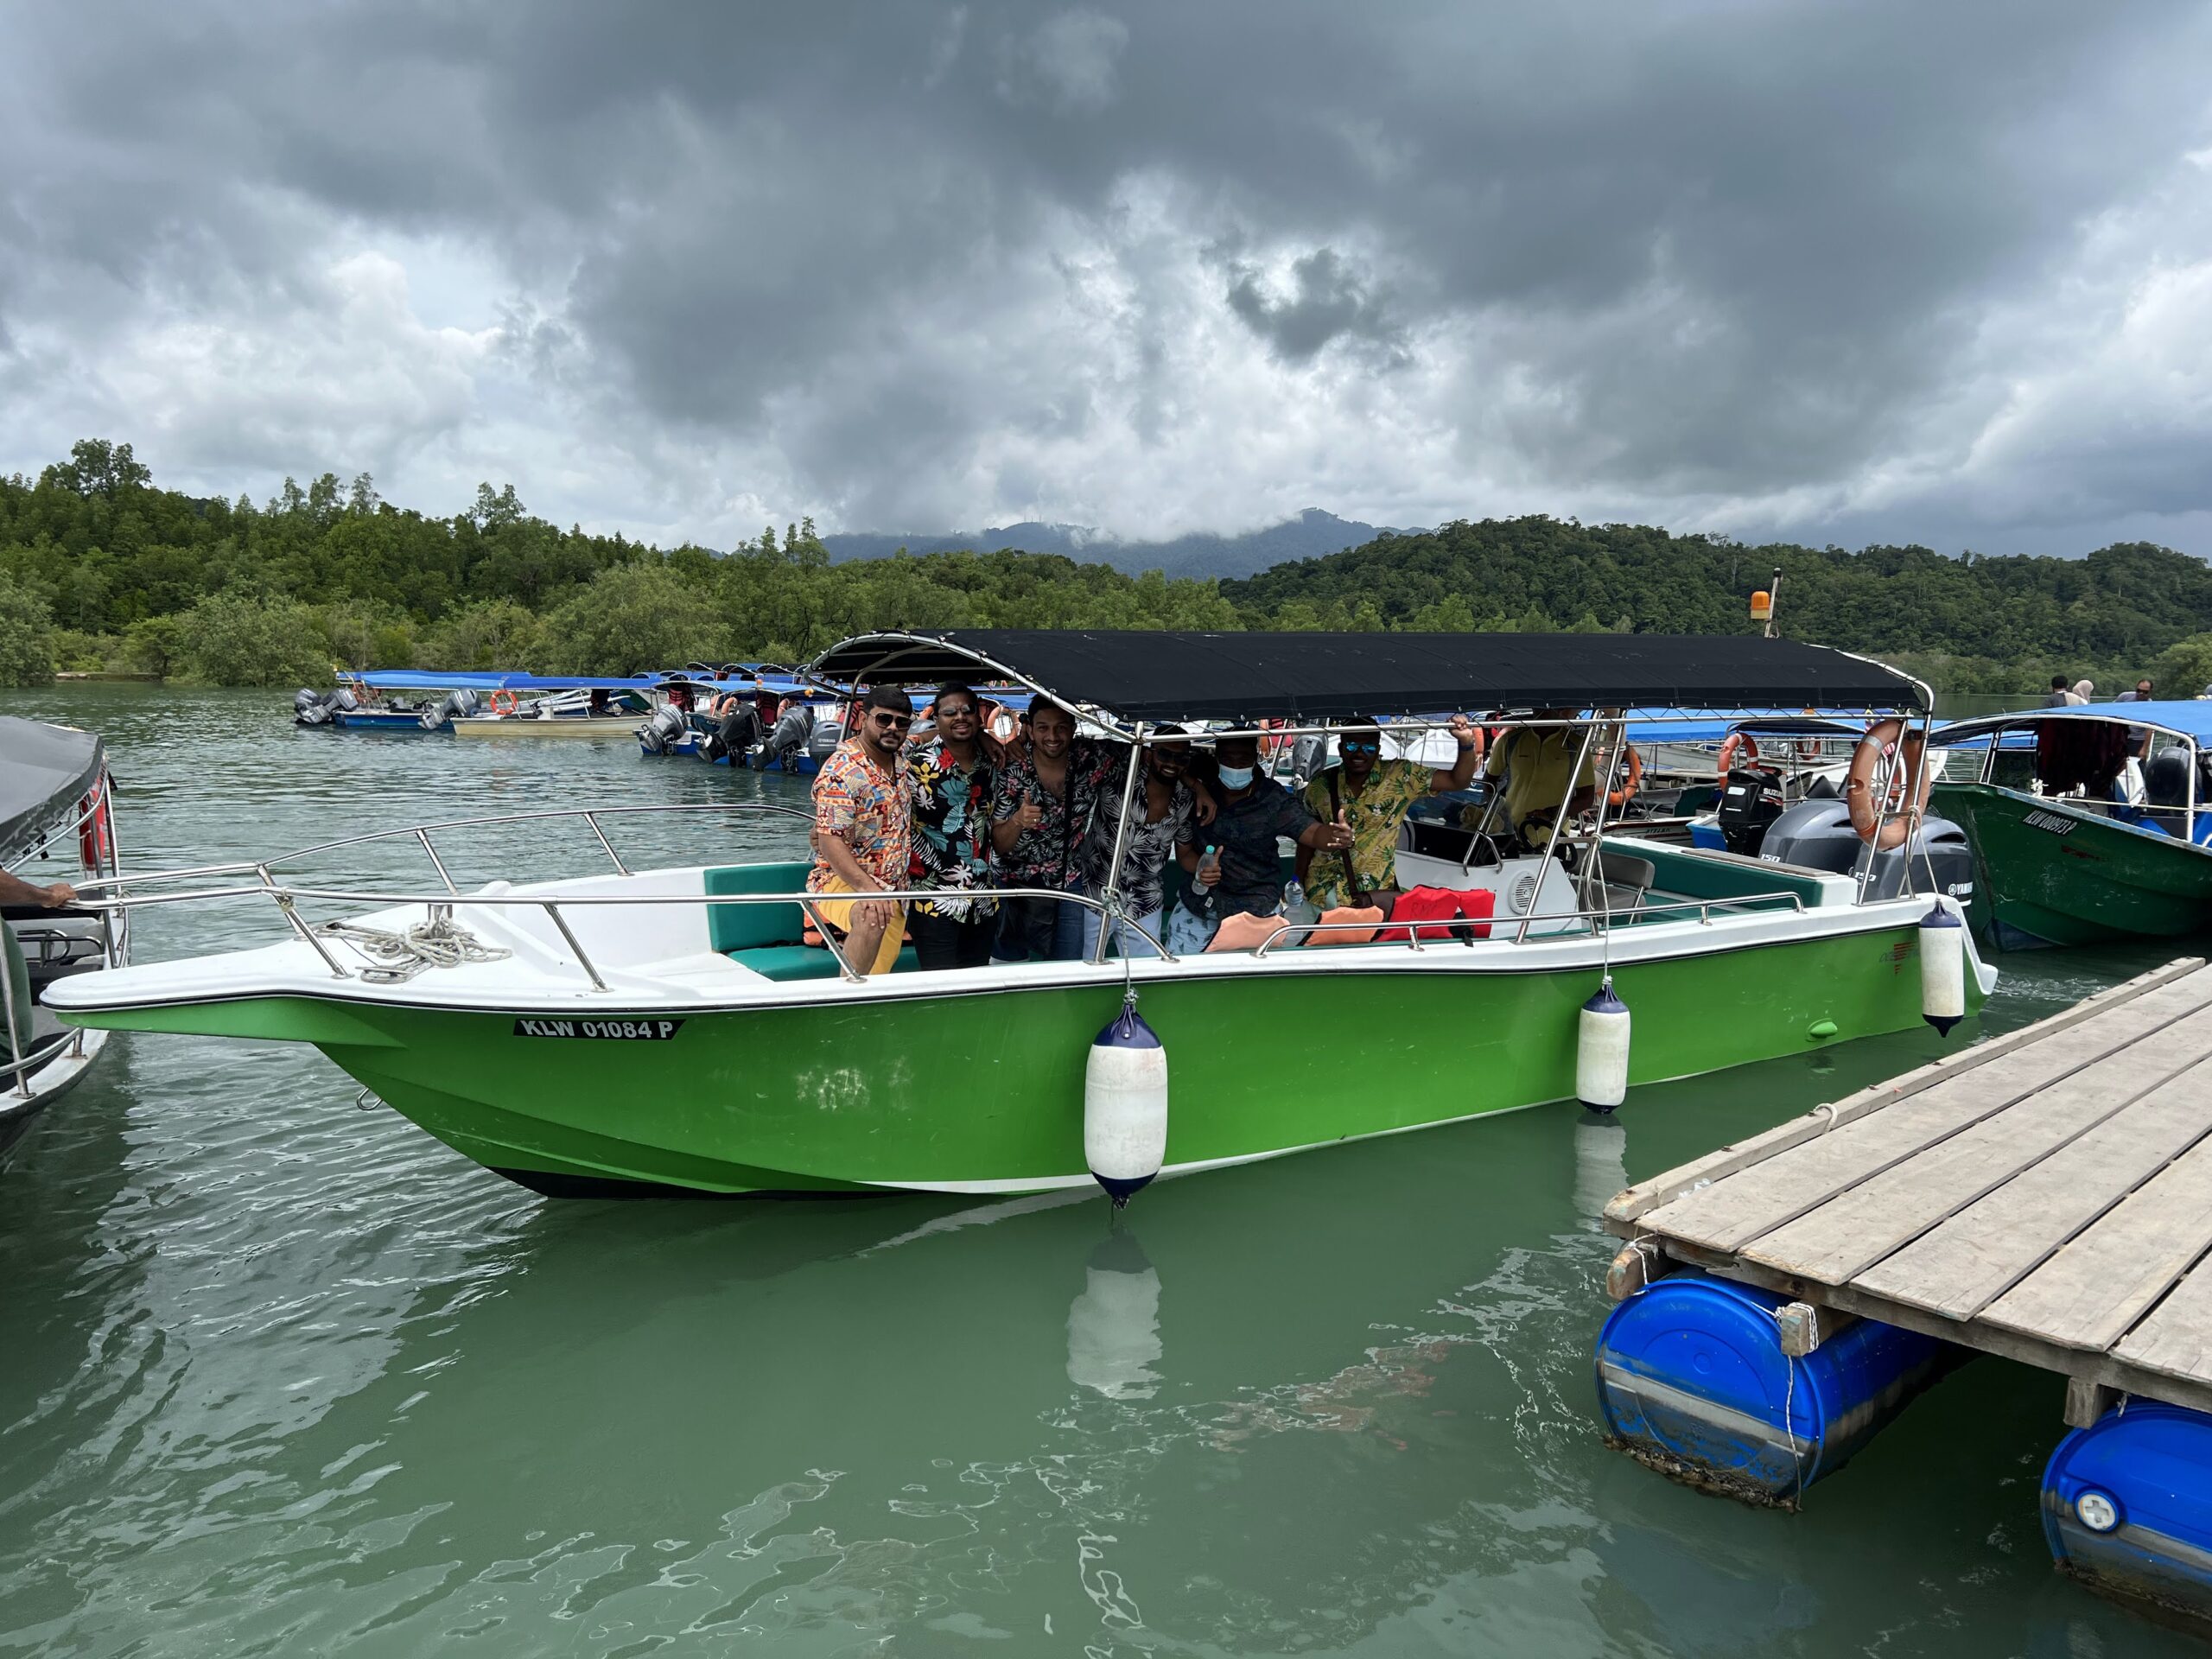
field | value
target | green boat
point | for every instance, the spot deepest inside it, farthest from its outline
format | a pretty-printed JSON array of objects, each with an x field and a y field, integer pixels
[
  {"x": 2083, "y": 832},
  {"x": 663, "y": 1029}
]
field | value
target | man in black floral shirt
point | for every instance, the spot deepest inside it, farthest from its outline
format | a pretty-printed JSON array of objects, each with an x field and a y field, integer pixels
[
  {"x": 953, "y": 779},
  {"x": 1040, "y": 811}
]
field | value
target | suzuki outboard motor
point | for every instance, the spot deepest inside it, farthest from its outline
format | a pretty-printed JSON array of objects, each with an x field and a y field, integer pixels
[
  {"x": 739, "y": 732},
  {"x": 454, "y": 705},
  {"x": 658, "y": 735},
  {"x": 794, "y": 729},
  {"x": 1818, "y": 836},
  {"x": 1750, "y": 801}
]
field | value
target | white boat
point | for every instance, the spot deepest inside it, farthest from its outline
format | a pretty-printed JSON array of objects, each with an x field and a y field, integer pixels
[{"x": 57, "y": 823}]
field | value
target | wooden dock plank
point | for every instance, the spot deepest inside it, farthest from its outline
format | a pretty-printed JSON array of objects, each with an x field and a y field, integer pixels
[
  {"x": 1643, "y": 1197},
  {"x": 2176, "y": 1340},
  {"x": 2098, "y": 1285},
  {"x": 1738, "y": 1208},
  {"x": 1870, "y": 1220},
  {"x": 1960, "y": 1267}
]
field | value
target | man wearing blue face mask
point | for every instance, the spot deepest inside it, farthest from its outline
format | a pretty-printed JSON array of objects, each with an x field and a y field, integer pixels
[{"x": 1243, "y": 871}]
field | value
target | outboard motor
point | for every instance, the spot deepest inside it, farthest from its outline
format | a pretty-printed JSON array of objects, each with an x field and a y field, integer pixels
[
  {"x": 822, "y": 739},
  {"x": 739, "y": 732},
  {"x": 1750, "y": 801},
  {"x": 658, "y": 735},
  {"x": 454, "y": 705},
  {"x": 322, "y": 709},
  {"x": 793, "y": 732},
  {"x": 1818, "y": 836},
  {"x": 1307, "y": 755}
]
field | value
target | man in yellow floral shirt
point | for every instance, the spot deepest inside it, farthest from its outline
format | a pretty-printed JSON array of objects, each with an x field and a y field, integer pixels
[{"x": 1373, "y": 796}]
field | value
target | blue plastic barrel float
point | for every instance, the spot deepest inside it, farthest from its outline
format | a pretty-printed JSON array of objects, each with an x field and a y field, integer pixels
[
  {"x": 1693, "y": 1382},
  {"x": 2128, "y": 1504}
]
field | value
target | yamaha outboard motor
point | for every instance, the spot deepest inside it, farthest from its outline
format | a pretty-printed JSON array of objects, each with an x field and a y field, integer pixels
[
  {"x": 822, "y": 739},
  {"x": 794, "y": 729},
  {"x": 1750, "y": 801},
  {"x": 320, "y": 708},
  {"x": 1307, "y": 755},
  {"x": 659, "y": 734},
  {"x": 1818, "y": 836}
]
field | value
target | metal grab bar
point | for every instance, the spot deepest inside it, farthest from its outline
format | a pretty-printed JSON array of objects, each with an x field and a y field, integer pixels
[
  {"x": 286, "y": 899},
  {"x": 1705, "y": 907},
  {"x": 419, "y": 831}
]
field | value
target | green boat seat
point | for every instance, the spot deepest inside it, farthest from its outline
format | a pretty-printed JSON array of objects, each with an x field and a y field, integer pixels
[
  {"x": 785, "y": 963},
  {"x": 770, "y": 938},
  {"x": 743, "y": 927}
]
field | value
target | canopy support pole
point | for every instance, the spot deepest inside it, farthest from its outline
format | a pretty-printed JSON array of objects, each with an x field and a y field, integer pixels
[
  {"x": 1110, "y": 926},
  {"x": 1559, "y": 823}
]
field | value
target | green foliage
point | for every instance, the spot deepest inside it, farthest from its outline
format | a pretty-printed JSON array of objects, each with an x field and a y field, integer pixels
[
  {"x": 628, "y": 621},
  {"x": 493, "y": 634},
  {"x": 2184, "y": 668},
  {"x": 122, "y": 571},
  {"x": 26, "y": 636},
  {"x": 240, "y": 639}
]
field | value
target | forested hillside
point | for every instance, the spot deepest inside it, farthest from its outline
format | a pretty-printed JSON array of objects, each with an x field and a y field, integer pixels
[
  {"x": 101, "y": 569},
  {"x": 1978, "y": 623}
]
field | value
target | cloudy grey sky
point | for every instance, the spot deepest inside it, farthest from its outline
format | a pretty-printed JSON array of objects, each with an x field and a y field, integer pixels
[{"x": 1847, "y": 272}]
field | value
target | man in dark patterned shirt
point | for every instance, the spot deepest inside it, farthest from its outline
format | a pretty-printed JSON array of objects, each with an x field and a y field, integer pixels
[
  {"x": 952, "y": 779},
  {"x": 1040, "y": 811}
]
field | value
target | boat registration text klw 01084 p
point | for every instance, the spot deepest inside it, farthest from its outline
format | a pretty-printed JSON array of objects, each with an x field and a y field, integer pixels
[{"x": 634, "y": 1031}]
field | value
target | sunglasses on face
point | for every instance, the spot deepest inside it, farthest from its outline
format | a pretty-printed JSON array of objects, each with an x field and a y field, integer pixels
[
  {"x": 894, "y": 722},
  {"x": 1361, "y": 746},
  {"x": 956, "y": 711}
]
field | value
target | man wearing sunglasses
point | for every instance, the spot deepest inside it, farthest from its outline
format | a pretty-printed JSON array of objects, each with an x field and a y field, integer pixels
[
  {"x": 1372, "y": 796},
  {"x": 863, "y": 807},
  {"x": 953, "y": 781}
]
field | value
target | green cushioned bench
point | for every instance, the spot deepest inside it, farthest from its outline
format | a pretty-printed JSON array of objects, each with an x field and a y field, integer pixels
[{"x": 770, "y": 938}]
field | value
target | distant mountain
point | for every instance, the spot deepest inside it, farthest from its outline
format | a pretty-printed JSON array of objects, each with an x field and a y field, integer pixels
[{"x": 1313, "y": 534}]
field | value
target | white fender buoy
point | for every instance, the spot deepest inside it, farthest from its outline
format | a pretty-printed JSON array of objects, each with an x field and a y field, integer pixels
[
  {"x": 1125, "y": 1106},
  {"x": 1942, "y": 969},
  {"x": 1601, "y": 1051}
]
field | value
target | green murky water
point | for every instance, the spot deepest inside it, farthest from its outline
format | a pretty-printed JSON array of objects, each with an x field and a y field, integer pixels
[{"x": 278, "y": 1376}]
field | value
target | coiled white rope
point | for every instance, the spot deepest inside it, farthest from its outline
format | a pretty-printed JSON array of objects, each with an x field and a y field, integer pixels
[{"x": 395, "y": 959}]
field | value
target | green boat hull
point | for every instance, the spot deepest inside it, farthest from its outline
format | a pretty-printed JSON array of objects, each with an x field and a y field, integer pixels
[
  {"x": 983, "y": 1092},
  {"x": 2049, "y": 874}
]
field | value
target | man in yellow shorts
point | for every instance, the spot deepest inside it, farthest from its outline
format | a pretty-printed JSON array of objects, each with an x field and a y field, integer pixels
[{"x": 863, "y": 823}]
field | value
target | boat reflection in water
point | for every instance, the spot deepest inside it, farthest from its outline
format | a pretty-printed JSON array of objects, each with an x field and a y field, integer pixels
[{"x": 1114, "y": 1325}]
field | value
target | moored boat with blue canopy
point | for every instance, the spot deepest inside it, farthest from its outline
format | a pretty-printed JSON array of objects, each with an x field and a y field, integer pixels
[{"x": 676, "y": 1028}]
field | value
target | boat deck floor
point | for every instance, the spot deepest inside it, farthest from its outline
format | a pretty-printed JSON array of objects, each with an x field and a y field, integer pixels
[{"x": 2045, "y": 1196}]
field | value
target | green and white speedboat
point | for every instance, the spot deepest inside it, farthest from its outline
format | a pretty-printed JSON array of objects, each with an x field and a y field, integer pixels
[{"x": 668, "y": 1029}]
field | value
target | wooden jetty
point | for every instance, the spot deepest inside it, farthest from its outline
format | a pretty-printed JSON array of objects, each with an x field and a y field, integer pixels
[{"x": 2045, "y": 1196}]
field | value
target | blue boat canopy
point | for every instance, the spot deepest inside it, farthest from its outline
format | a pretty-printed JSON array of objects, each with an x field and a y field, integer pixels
[
  {"x": 2191, "y": 719},
  {"x": 438, "y": 679}
]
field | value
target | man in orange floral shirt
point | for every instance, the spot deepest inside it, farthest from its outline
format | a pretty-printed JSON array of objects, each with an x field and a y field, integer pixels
[{"x": 863, "y": 816}]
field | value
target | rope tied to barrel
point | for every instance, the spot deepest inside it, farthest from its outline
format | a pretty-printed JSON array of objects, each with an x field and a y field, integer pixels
[{"x": 395, "y": 957}]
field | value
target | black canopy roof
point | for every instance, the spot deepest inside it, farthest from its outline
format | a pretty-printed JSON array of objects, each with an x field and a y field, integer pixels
[
  {"x": 1324, "y": 677},
  {"x": 43, "y": 769}
]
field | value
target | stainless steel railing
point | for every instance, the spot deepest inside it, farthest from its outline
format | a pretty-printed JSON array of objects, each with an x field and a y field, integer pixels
[{"x": 131, "y": 892}]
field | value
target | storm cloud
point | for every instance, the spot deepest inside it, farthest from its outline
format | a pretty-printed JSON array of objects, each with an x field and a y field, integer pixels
[{"x": 1884, "y": 271}]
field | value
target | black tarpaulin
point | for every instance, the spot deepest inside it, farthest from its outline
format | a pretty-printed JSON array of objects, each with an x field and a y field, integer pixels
[
  {"x": 1324, "y": 677},
  {"x": 43, "y": 769}
]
